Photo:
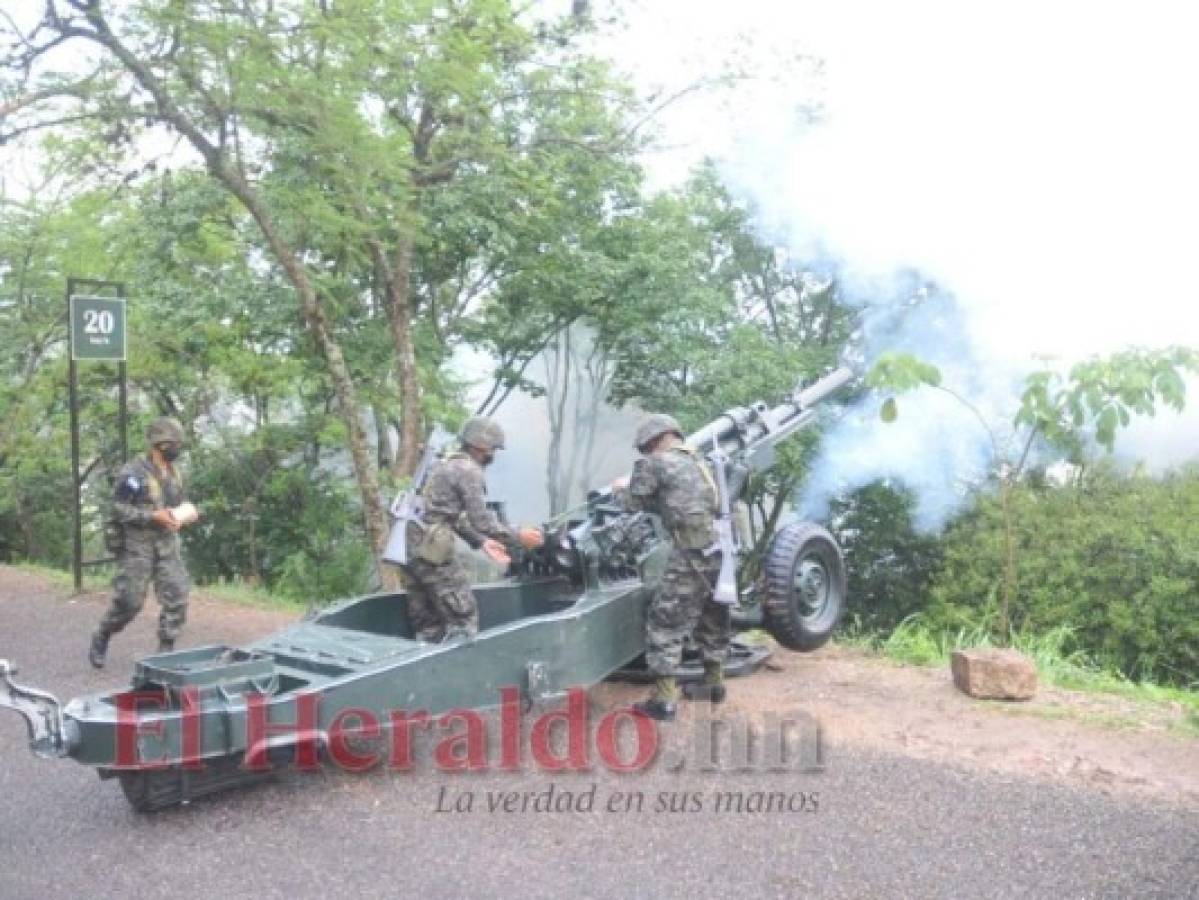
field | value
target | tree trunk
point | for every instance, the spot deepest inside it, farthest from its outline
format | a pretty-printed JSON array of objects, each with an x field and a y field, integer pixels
[
  {"x": 557, "y": 383},
  {"x": 313, "y": 309},
  {"x": 396, "y": 277},
  {"x": 339, "y": 371},
  {"x": 399, "y": 289},
  {"x": 1009, "y": 562},
  {"x": 599, "y": 376},
  {"x": 382, "y": 442}
]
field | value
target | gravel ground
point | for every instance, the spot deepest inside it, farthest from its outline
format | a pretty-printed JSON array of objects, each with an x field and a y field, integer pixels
[{"x": 886, "y": 824}]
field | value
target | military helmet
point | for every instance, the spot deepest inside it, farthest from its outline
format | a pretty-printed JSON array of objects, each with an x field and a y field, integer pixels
[
  {"x": 654, "y": 427},
  {"x": 165, "y": 430},
  {"x": 482, "y": 432}
]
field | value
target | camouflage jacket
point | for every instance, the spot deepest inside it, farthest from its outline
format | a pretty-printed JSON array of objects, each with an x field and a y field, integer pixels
[
  {"x": 677, "y": 486},
  {"x": 140, "y": 489},
  {"x": 456, "y": 494}
]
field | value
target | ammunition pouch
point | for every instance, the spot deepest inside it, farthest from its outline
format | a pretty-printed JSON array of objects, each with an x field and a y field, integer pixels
[
  {"x": 694, "y": 534},
  {"x": 114, "y": 536},
  {"x": 436, "y": 544}
]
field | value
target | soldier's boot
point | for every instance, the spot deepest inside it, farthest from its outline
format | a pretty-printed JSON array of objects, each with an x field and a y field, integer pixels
[
  {"x": 661, "y": 703},
  {"x": 98, "y": 650},
  {"x": 712, "y": 687},
  {"x": 166, "y": 645}
]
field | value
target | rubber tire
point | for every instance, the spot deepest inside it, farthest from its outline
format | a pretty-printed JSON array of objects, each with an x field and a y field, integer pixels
[
  {"x": 152, "y": 790},
  {"x": 784, "y": 617}
]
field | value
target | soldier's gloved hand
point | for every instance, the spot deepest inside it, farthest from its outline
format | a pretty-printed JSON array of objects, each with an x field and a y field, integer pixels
[
  {"x": 163, "y": 519},
  {"x": 530, "y": 538},
  {"x": 495, "y": 552}
]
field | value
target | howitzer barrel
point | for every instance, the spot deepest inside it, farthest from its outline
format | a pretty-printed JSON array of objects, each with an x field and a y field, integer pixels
[
  {"x": 824, "y": 388},
  {"x": 744, "y": 428},
  {"x": 747, "y": 435}
]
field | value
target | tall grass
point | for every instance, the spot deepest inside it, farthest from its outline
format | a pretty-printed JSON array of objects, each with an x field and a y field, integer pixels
[{"x": 1058, "y": 660}]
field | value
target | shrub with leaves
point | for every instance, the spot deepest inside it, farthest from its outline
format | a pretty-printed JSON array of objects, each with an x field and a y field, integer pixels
[
  {"x": 1114, "y": 558},
  {"x": 890, "y": 563}
]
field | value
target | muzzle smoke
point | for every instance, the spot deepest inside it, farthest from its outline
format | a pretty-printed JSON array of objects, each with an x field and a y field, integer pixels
[{"x": 1033, "y": 163}]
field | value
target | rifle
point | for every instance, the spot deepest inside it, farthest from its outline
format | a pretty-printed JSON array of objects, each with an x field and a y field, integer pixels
[
  {"x": 726, "y": 584},
  {"x": 409, "y": 505}
]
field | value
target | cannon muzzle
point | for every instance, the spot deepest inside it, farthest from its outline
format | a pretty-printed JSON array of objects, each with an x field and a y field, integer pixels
[{"x": 824, "y": 388}]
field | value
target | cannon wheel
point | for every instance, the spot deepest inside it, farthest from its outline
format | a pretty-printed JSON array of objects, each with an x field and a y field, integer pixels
[
  {"x": 151, "y": 790},
  {"x": 805, "y": 586}
]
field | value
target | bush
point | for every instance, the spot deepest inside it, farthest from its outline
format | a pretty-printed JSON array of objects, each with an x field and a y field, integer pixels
[
  {"x": 272, "y": 517},
  {"x": 890, "y": 564},
  {"x": 1112, "y": 563},
  {"x": 35, "y": 511}
]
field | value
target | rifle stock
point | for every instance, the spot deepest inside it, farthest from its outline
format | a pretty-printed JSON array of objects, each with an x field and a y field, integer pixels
[{"x": 409, "y": 505}]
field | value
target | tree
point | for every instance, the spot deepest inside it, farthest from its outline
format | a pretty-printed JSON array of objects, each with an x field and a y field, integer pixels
[
  {"x": 721, "y": 319},
  {"x": 336, "y": 126},
  {"x": 1095, "y": 398},
  {"x": 890, "y": 563}
]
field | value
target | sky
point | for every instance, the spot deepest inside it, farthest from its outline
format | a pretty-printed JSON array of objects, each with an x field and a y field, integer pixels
[
  {"x": 1037, "y": 159},
  {"x": 1036, "y": 162}
]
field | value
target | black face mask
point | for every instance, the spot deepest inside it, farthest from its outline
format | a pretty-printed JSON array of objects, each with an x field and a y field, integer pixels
[
  {"x": 485, "y": 458},
  {"x": 170, "y": 452}
]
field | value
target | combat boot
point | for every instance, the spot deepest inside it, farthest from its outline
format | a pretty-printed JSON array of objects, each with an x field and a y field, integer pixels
[
  {"x": 661, "y": 703},
  {"x": 711, "y": 688},
  {"x": 98, "y": 651},
  {"x": 166, "y": 645}
]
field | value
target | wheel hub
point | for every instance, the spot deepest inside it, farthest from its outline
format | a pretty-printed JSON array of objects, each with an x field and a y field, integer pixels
[{"x": 811, "y": 583}]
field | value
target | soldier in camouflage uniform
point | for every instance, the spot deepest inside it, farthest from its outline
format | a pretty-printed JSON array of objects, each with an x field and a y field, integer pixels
[
  {"x": 673, "y": 482},
  {"x": 143, "y": 532},
  {"x": 441, "y": 604}
]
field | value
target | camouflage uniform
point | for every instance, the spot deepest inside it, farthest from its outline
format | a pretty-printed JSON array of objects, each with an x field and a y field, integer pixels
[
  {"x": 440, "y": 600},
  {"x": 150, "y": 552},
  {"x": 675, "y": 485}
]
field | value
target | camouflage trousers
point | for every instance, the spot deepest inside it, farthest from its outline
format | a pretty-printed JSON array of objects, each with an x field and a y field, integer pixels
[
  {"x": 440, "y": 599},
  {"x": 684, "y": 605},
  {"x": 143, "y": 562}
]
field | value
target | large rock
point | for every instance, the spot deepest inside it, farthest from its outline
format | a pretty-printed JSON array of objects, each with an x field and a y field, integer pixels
[{"x": 993, "y": 674}]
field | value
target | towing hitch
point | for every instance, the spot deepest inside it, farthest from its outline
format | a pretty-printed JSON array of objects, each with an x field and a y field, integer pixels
[{"x": 50, "y": 735}]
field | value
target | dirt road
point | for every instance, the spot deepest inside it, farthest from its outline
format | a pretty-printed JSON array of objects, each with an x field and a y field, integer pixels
[{"x": 923, "y": 794}]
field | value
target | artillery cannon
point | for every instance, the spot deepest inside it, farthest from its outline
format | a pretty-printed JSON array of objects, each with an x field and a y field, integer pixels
[
  {"x": 201, "y": 720},
  {"x": 801, "y": 595}
]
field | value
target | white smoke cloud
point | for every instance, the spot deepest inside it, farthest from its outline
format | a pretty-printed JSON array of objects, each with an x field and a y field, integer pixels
[{"x": 1035, "y": 161}]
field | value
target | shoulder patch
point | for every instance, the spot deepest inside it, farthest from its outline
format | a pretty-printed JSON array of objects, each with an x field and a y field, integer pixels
[{"x": 129, "y": 487}]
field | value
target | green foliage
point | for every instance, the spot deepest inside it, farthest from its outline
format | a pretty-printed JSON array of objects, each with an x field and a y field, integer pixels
[
  {"x": 1113, "y": 559},
  {"x": 35, "y": 509},
  {"x": 1058, "y": 660},
  {"x": 890, "y": 563},
  {"x": 273, "y": 516},
  {"x": 1106, "y": 393},
  {"x": 708, "y": 315},
  {"x": 1101, "y": 394},
  {"x": 901, "y": 372}
]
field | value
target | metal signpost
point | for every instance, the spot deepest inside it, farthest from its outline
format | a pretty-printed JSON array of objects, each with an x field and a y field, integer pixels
[{"x": 96, "y": 330}]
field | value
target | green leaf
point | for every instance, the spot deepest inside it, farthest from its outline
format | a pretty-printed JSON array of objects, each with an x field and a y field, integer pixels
[{"x": 902, "y": 372}]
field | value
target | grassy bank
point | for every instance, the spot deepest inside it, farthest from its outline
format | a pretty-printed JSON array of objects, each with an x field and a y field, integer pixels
[
  {"x": 100, "y": 579},
  {"x": 915, "y": 642}
]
